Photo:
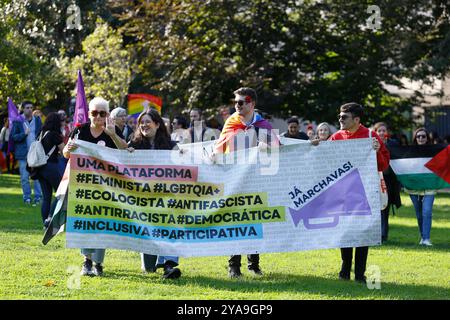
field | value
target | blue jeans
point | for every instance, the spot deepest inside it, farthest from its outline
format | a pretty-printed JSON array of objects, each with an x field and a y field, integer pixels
[
  {"x": 423, "y": 206},
  {"x": 25, "y": 182},
  {"x": 49, "y": 178}
]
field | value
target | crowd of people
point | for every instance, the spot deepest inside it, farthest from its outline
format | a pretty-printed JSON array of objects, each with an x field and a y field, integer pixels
[{"x": 115, "y": 129}]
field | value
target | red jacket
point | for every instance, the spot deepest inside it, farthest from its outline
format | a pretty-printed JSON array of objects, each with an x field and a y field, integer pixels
[{"x": 383, "y": 155}]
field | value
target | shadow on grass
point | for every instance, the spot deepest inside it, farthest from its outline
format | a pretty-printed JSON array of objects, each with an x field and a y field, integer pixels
[
  {"x": 286, "y": 284},
  {"x": 408, "y": 237}
]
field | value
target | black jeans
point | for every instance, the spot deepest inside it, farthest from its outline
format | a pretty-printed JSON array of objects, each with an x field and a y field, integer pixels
[
  {"x": 360, "y": 261},
  {"x": 49, "y": 177},
  {"x": 385, "y": 223},
  {"x": 252, "y": 261}
]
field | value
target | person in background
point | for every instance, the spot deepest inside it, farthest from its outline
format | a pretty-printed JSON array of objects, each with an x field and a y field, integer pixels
[
  {"x": 152, "y": 134},
  {"x": 392, "y": 184},
  {"x": 323, "y": 131},
  {"x": 66, "y": 128},
  {"x": 23, "y": 133},
  {"x": 351, "y": 128},
  {"x": 310, "y": 132},
  {"x": 50, "y": 174},
  {"x": 179, "y": 130},
  {"x": 225, "y": 112},
  {"x": 100, "y": 130},
  {"x": 294, "y": 130},
  {"x": 197, "y": 127},
  {"x": 131, "y": 122},
  {"x": 119, "y": 115},
  {"x": 38, "y": 113},
  {"x": 198, "y": 130},
  {"x": 4, "y": 140},
  {"x": 423, "y": 200},
  {"x": 434, "y": 138}
]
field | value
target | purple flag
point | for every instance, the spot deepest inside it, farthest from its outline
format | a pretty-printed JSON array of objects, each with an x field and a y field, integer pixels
[
  {"x": 81, "y": 108},
  {"x": 13, "y": 115}
]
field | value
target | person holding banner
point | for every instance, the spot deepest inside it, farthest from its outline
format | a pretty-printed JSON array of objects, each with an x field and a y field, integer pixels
[
  {"x": 351, "y": 128},
  {"x": 100, "y": 130},
  {"x": 152, "y": 134},
  {"x": 245, "y": 119},
  {"x": 4, "y": 140},
  {"x": 423, "y": 200}
]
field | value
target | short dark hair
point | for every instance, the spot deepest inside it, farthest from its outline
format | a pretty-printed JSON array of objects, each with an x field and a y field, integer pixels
[
  {"x": 293, "y": 120},
  {"x": 181, "y": 121},
  {"x": 246, "y": 91},
  {"x": 24, "y": 103},
  {"x": 354, "y": 108}
]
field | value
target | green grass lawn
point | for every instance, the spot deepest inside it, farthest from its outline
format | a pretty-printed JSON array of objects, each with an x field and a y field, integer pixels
[{"x": 31, "y": 270}]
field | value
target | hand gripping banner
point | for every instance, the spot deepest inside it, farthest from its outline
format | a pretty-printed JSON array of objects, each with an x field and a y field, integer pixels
[{"x": 297, "y": 197}]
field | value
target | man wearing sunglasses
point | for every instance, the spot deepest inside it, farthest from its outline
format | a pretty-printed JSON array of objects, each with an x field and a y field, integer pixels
[
  {"x": 244, "y": 123},
  {"x": 351, "y": 128}
]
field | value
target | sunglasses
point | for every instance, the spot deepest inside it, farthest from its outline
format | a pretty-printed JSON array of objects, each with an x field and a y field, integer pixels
[
  {"x": 343, "y": 116},
  {"x": 421, "y": 136},
  {"x": 240, "y": 102},
  {"x": 96, "y": 113}
]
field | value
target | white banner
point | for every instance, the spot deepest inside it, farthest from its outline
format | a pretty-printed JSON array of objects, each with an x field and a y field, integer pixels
[{"x": 300, "y": 197}]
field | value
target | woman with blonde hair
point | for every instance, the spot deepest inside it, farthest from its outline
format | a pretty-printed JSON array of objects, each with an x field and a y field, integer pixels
[
  {"x": 100, "y": 130},
  {"x": 323, "y": 131}
]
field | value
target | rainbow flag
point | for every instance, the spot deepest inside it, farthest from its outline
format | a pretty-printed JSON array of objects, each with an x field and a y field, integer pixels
[{"x": 138, "y": 102}]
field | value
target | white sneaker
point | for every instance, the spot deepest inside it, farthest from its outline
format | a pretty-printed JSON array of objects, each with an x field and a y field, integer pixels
[
  {"x": 427, "y": 242},
  {"x": 421, "y": 242}
]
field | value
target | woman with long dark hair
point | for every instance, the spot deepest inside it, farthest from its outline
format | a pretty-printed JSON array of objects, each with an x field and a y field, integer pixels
[
  {"x": 423, "y": 199},
  {"x": 151, "y": 134},
  {"x": 50, "y": 174}
]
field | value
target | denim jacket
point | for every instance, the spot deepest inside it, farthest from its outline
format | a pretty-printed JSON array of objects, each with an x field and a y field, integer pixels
[{"x": 19, "y": 138}]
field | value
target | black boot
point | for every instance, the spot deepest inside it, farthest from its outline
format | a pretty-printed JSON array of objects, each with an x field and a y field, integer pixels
[{"x": 170, "y": 272}]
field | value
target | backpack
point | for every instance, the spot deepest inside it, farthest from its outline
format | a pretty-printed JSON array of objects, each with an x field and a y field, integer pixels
[{"x": 36, "y": 156}]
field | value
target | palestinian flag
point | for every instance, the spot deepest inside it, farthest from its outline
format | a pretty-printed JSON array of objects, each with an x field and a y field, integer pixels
[{"x": 425, "y": 167}]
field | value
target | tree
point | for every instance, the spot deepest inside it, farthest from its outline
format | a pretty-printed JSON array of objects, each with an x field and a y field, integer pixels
[
  {"x": 105, "y": 65},
  {"x": 34, "y": 35},
  {"x": 303, "y": 57},
  {"x": 23, "y": 74}
]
